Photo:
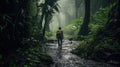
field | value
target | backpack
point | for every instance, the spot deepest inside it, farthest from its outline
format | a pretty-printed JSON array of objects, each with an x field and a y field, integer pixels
[{"x": 59, "y": 34}]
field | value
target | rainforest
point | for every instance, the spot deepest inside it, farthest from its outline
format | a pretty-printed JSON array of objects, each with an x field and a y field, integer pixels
[{"x": 29, "y": 33}]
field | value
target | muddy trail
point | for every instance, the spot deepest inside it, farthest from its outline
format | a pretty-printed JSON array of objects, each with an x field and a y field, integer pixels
[{"x": 64, "y": 58}]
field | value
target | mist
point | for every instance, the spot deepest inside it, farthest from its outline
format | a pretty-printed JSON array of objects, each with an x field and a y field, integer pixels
[{"x": 65, "y": 15}]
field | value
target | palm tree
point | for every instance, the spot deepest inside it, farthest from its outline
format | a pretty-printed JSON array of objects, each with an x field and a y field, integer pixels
[{"x": 48, "y": 9}]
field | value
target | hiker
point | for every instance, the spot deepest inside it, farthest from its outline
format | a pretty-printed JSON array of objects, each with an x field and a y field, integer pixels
[{"x": 59, "y": 36}]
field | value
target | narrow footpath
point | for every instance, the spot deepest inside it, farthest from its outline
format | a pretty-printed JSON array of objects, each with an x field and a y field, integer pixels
[{"x": 64, "y": 58}]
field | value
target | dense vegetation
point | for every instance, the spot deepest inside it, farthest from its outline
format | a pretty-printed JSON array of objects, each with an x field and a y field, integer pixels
[
  {"x": 25, "y": 27},
  {"x": 102, "y": 42},
  {"x": 21, "y": 36}
]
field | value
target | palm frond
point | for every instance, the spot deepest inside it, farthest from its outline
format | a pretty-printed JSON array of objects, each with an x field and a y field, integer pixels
[{"x": 56, "y": 8}]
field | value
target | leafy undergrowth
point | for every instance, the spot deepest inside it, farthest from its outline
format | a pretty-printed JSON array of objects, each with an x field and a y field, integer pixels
[
  {"x": 103, "y": 43},
  {"x": 31, "y": 56},
  {"x": 72, "y": 29}
]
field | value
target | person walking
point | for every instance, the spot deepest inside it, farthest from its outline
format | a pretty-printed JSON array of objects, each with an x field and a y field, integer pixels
[{"x": 59, "y": 36}]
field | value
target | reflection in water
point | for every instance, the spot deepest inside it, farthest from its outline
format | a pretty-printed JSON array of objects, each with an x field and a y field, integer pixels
[{"x": 59, "y": 53}]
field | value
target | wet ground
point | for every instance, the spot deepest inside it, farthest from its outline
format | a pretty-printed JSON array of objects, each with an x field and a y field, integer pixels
[{"x": 64, "y": 58}]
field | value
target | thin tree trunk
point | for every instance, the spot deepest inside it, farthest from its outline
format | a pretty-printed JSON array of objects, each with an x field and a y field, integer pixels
[
  {"x": 45, "y": 25},
  {"x": 48, "y": 27},
  {"x": 41, "y": 20},
  {"x": 48, "y": 23}
]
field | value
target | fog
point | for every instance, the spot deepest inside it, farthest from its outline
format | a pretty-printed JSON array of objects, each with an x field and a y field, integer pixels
[{"x": 67, "y": 13}]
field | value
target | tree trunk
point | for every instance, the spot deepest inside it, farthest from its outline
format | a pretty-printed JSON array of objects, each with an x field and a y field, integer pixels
[
  {"x": 41, "y": 20},
  {"x": 84, "y": 28},
  {"x": 48, "y": 27},
  {"x": 48, "y": 23},
  {"x": 45, "y": 25}
]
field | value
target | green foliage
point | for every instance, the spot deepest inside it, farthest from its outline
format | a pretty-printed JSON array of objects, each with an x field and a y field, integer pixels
[
  {"x": 13, "y": 25},
  {"x": 99, "y": 19},
  {"x": 73, "y": 28},
  {"x": 101, "y": 39},
  {"x": 48, "y": 34},
  {"x": 32, "y": 56},
  {"x": 34, "y": 30},
  {"x": 49, "y": 7},
  {"x": 82, "y": 49},
  {"x": 20, "y": 36}
]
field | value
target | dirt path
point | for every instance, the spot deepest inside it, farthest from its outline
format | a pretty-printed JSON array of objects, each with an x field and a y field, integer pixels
[{"x": 64, "y": 58}]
